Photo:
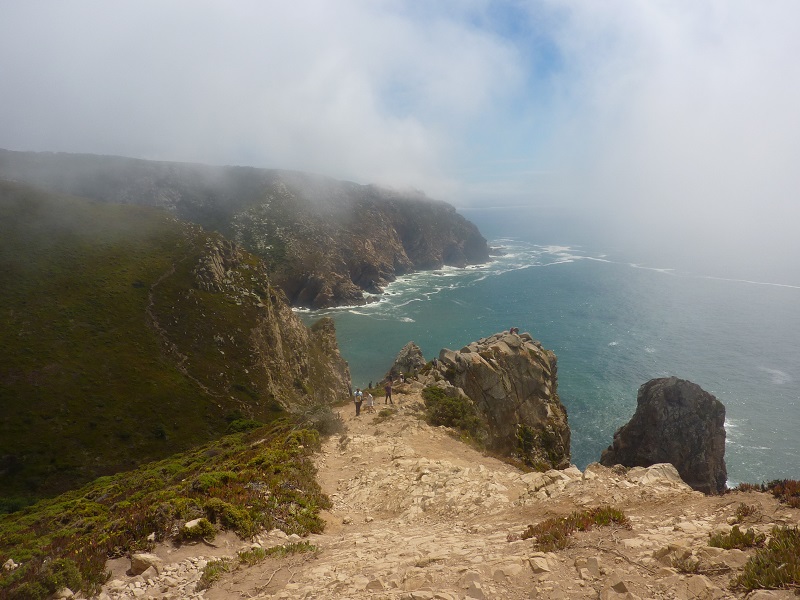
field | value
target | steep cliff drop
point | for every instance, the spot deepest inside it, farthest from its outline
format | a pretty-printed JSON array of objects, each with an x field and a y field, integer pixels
[
  {"x": 512, "y": 381},
  {"x": 675, "y": 422}
]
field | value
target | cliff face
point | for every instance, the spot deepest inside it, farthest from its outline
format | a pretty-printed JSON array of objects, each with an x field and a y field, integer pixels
[
  {"x": 513, "y": 382},
  {"x": 127, "y": 335},
  {"x": 289, "y": 362},
  {"x": 675, "y": 422},
  {"x": 325, "y": 242}
]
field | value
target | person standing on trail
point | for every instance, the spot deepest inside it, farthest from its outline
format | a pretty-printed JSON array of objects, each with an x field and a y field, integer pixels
[
  {"x": 370, "y": 403},
  {"x": 388, "y": 389},
  {"x": 358, "y": 398}
]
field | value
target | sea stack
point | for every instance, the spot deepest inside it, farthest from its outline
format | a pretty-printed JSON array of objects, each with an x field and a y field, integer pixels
[
  {"x": 675, "y": 422},
  {"x": 513, "y": 382}
]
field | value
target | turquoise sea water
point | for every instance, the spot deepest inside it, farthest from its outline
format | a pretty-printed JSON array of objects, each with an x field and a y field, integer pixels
[{"x": 613, "y": 325}]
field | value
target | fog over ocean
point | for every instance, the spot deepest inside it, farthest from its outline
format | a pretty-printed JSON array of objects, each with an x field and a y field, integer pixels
[{"x": 614, "y": 323}]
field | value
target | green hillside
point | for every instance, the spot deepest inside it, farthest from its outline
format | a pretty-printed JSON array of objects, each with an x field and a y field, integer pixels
[{"x": 114, "y": 353}]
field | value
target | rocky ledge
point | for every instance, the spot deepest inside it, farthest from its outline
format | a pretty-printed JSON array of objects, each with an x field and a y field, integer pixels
[
  {"x": 513, "y": 382},
  {"x": 417, "y": 515}
]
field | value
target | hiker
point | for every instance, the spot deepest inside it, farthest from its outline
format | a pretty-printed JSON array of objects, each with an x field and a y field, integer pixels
[
  {"x": 358, "y": 398},
  {"x": 370, "y": 403},
  {"x": 388, "y": 389}
]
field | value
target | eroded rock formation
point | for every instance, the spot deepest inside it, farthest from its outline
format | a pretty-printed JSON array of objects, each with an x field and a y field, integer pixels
[
  {"x": 513, "y": 382},
  {"x": 675, "y": 422},
  {"x": 409, "y": 360}
]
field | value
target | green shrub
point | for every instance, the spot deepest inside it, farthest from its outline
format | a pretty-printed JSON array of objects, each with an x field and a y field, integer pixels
[
  {"x": 775, "y": 566},
  {"x": 230, "y": 517},
  {"x": 737, "y": 539},
  {"x": 240, "y": 425},
  {"x": 456, "y": 412},
  {"x": 245, "y": 482},
  {"x": 384, "y": 415},
  {"x": 204, "y": 530},
  {"x": 287, "y": 549},
  {"x": 253, "y": 556},
  {"x": 206, "y": 481},
  {"x": 212, "y": 572}
]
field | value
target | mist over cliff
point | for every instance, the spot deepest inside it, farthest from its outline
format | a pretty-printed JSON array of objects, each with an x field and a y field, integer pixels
[{"x": 326, "y": 242}]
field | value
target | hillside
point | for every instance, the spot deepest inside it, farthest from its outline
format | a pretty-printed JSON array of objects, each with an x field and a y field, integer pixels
[
  {"x": 326, "y": 242},
  {"x": 416, "y": 514},
  {"x": 128, "y": 335}
]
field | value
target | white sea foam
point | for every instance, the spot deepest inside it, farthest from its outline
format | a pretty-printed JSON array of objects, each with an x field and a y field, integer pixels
[
  {"x": 649, "y": 350},
  {"x": 613, "y": 343},
  {"x": 777, "y": 377},
  {"x": 782, "y": 285},
  {"x": 665, "y": 270}
]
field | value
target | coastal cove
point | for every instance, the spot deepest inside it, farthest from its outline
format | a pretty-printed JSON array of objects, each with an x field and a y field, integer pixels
[{"x": 613, "y": 324}]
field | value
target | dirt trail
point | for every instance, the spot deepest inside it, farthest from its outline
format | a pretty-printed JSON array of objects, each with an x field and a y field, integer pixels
[{"x": 419, "y": 515}]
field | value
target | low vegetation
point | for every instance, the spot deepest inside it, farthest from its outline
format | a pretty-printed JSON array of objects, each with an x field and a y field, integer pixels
[
  {"x": 785, "y": 490},
  {"x": 746, "y": 512},
  {"x": 213, "y": 571},
  {"x": 688, "y": 565},
  {"x": 775, "y": 566},
  {"x": 453, "y": 411},
  {"x": 554, "y": 534},
  {"x": 244, "y": 482},
  {"x": 737, "y": 538},
  {"x": 111, "y": 354},
  {"x": 384, "y": 414}
]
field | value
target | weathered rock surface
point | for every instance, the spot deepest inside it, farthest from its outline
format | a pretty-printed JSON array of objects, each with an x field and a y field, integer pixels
[
  {"x": 513, "y": 382},
  {"x": 418, "y": 515},
  {"x": 409, "y": 360},
  {"x": 675, "y": 422},
  {"x": 326, "y": 242}
]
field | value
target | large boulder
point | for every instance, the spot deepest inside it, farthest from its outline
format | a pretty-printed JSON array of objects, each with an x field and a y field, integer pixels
[
  {"x": 512, "y": 380},
  {"x": 675, "y": 422},
  {"x": 409, "y": 361}
]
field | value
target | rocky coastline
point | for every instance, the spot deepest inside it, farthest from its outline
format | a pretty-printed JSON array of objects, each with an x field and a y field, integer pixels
[{"x": 325, "y": 242}]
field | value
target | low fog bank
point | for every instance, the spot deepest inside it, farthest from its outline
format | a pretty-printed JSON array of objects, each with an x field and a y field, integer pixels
[{"x": 755, "y": 252}]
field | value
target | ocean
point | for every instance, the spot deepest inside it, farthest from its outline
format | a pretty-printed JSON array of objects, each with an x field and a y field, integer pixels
[{"x": 614, "y": 324}]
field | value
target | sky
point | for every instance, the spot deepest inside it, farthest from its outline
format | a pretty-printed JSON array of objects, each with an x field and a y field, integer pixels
[{"x": 671, "y": 128}]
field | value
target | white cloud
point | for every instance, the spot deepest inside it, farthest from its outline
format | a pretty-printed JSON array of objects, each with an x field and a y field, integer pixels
[{"x": 676, "y": 119}]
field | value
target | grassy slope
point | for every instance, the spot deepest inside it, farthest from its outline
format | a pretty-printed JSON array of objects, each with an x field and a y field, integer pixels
[
  {"x": 243, "y": 482},
  {"x": 81, "y": 363}
]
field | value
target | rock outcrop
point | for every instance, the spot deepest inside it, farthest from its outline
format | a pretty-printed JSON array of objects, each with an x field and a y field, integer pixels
[
  {"x": 513, "y": 382},
  {"x": 675, "y": 422},
  {"x": 418, "y": 515},
  {"x": 409, "y": 360},
  {"x": 325, "y": 242}
]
